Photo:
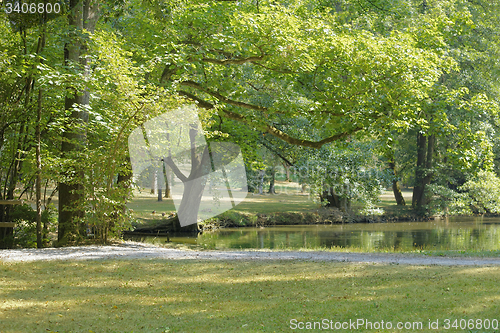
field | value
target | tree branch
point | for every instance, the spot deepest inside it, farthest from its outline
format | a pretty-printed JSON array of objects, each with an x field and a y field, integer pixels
[
  {"x": 232, "y": 61},
  {"x": 175, "y": 169},
  {"x": 268, "y": 128},
  {"x": 285, "y": 137},
  {"x": 277, "y": 153},
  {"x": 215, "y": 94},
  {"x": 201, "y": 103}
]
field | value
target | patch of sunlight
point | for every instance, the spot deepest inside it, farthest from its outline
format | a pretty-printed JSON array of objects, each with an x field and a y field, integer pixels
[
  {"x": 23, "y": 303},
  {"x": 479, "y": 270}
]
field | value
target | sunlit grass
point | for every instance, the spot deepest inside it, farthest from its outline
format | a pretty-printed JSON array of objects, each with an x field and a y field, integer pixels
[
  {"x": 259, "y": 296},
  {"x": 288, "y": 199}
]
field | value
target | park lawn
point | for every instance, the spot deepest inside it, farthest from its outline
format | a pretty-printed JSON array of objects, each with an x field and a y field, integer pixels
[
  {"x": 218, "y": 296},
  {"x": 288, "y": 199}
]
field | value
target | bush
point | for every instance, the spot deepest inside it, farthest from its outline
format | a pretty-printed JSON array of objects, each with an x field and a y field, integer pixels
[
  {"x": 25, "y": 230},
  {"x": 479, "y": 195},
  {"x": 484, "y": 193},
  {"x": 445, "y": 201}
]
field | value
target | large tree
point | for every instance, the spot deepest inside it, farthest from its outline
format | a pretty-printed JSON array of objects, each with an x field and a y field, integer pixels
[
  {"x": 82, "y": 19},
  {"x": 262, "y": 63}
]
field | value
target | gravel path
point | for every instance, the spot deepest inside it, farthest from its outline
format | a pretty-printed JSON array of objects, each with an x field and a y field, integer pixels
[{"x": 130, "y": 250}]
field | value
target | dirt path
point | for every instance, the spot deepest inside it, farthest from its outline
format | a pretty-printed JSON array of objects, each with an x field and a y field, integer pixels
[{"x": 130, "y": 250}]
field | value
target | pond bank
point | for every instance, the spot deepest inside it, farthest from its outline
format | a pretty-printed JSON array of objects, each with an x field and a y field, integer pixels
[{"x": 318, "y": 216}]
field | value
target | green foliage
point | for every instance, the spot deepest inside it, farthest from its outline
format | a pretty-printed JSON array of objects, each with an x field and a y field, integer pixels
[
  {"x": 25, "y": 229},
  {"x": 351, "y": 170},
  {"x": 479, "y": 195},
  {"x": 484, "y": 191},
  {"x": 447, "y": 202}
]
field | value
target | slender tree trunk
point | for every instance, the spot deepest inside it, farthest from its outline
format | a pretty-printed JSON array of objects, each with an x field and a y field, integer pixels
[
  {"x": 167, "y": 187},
  {"x": 153, "y": 183},
  {"x": 431, "y": 141},
  {"x": 398, "y": 195},
  {"x": 38, "y": 173},
  {"x": 261, "y": 181},
  {"x": 272, "y": 189},
  {"x": 158, "y": 184},
  {"x": 418, "y": 188},
  {"x": 39, "y": 243}
]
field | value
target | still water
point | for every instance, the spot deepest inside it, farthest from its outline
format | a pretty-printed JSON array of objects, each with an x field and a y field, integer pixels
[{"x": 444, "y": 234}]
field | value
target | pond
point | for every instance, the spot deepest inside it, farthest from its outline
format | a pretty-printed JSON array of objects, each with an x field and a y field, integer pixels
[{"x": 445, "y": 234}]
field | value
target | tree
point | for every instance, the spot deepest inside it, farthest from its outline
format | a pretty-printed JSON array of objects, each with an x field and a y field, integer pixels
[{"x": 82, "y": 19}]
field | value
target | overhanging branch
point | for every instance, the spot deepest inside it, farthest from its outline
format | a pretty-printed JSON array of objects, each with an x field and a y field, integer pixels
[
  {"x": 268, "y": 128},
  {"x": 285, "y": 137},
  {"x": 240, "y": 61},
  {"x": 222, "y": 98}
]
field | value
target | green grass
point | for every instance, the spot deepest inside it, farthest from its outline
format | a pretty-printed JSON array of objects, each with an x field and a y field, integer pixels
[
  {"x": 193, "y": 296},
  {"x": 287, "y": 200}
]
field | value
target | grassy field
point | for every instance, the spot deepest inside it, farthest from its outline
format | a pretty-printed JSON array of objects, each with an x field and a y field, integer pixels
[
  {"x": 193, "y": 296},
  {"x": 288, "y": 199}
]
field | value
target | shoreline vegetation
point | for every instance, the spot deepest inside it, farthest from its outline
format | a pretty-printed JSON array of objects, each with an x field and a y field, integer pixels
[
  {"x": 233, "y": 219},
  {"x": 321, "y": 216}
]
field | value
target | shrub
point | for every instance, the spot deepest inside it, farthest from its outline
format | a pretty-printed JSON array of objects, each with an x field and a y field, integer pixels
[
  {"x": 25, "y": 230},
  {"x": 484, "y": 192}
]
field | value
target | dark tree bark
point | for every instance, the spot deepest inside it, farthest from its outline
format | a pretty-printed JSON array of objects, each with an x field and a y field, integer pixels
[
  {"x": 167, "y": 187},
  {"x": 158, "y": 185},
  {"x": 398, "y": 195},
  {"x": 335, "y": 200},
  {"x": 423, "y": 173},
  {"x": 39, "y": 243},
  {"x": 261, "y": 181},
  {"x": 419, "y": 170},
  {"x": 272, "y": 181},
  {"x": 82, "y": 16}
]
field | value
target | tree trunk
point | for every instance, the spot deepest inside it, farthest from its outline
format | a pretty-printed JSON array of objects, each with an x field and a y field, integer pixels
[
  {"x": 158, "y": 185},
  {"x": 336, "y": 201},
  {"x": 39, "y": 243},
  {"x": 194, "y": 185},
  {"x": 261, "y": 181},
  {"x": 82, "y": 18},
  {"x": 418, "y": 188},
  {"x": 153, "y": 183},
  {"x": 167, "y": 187},
  {"x": 272, "y": 189},
  {"x": 38, "y": 174},
  {"x": 400, "y": 200}
]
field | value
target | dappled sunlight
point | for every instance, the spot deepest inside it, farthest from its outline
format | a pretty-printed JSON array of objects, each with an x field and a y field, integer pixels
[
  {"x": 150, "y": 294},
  {"x": 479, "y": 270}
]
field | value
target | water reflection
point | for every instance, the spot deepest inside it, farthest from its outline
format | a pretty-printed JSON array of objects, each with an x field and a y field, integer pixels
[{"x": 449, "y": 234}]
